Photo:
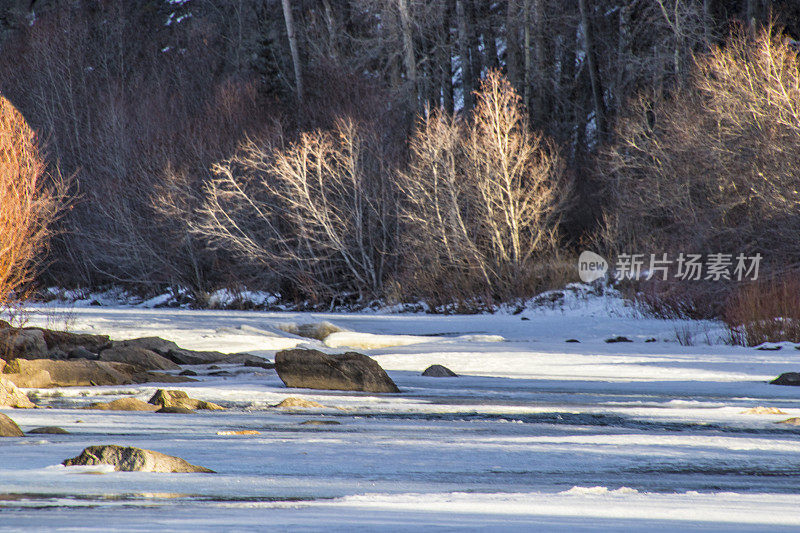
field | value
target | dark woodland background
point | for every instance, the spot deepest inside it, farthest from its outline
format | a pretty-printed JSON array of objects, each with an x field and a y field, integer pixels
[{"x": 168, "y": 116}]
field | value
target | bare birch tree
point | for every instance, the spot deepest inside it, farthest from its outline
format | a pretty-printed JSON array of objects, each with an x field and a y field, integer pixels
[{"x": 483, "y": 199}]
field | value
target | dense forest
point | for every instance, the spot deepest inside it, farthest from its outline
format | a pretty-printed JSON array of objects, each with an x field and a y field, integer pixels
[{"x": 448, "y": 151}]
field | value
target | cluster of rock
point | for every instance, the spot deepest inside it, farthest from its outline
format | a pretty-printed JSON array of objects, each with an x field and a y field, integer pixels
[
  {"x": 163, "y": 401},
  {"x": 350, "y": 371},
  {"x": 41, "y": 358}
]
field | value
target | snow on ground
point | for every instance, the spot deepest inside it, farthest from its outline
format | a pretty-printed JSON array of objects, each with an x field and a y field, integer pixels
[{"x": 536, "y": 433}]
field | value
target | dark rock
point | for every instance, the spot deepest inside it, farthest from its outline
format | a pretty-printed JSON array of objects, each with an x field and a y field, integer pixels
[
  {"x": 572, "y": 340},
  {"x": 65, "y": 342},
  {"x": 159, "y": 377},
  {"x": 176, "y": 410},
  {"x": 312, "y": 369},
  {"x": 213, "y": 367},
  {"x": 146, "y": 359},
  {"x": 320, "y": 423},
  {"x": 155, "y": 344},
  {"x": 787, "y": 378},
  {"x": 618, "y": 339},
  {"x": 178, "y": 355},
  {"x": 188, "y": 373},
  {"x": 39, "y": 373},
  {"x": 769, "y": 348},
  {"x": 221, "y": 373},
  {"x": 439, "y": 371},
  {"x": 49, "y": 430},
  {"x": 525, "y": 318},
  {"x": 189, "y": 357},
  {"x": 244, "y": 359},
  {"x": 22, "y": 343},
  {"x": 651, "y": 339},
  {"x": 265, "y": 365},
  {"x": 9, "y": 428},
  {"x": 127, "y": 459},
  {"x": 82, "y": 353},
  {"x": 178, "y": 398}
]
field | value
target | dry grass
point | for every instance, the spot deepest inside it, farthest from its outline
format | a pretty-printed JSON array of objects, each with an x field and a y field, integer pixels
[
  {"x": 765, "y": 311},
  {"x": 27, "y": 204}
]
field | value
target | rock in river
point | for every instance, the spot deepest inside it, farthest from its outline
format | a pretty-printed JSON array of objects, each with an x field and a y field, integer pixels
[
  {"x": 9, "y": 428},
  {"x": 127, "y": 459},
  {"x": 312, "y": 369},
  {"x": 439, "y": 371}
]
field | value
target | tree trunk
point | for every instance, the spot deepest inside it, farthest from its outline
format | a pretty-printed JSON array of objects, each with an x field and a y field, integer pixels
[
  {"x": 476, "y": 56},
  {"x": 512, "y": 44},
  {"x": 332, "y": 28},
  {"x": 526, "y": 43},
  {"x": 623, "y": 55},
  {"x": 463, "y": 52},
  {"x": 409, "y": 60},
  {"x": 752, "y": 11},
  {"x": 298, "y": 72},
  {"x": 444, "y": 59},
  {"x": 594, "y": 72},
  {"x": 490, "y": 37},
  {"x": 540, "y": 62}
]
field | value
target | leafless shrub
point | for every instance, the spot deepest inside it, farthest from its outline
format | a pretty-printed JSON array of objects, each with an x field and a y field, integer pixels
[
  {"x": 712, "y": 168},
  {"x": 28, "y": 205},
  {"x": 317, "y": 212},
  {"x": 482, "y": 200}
]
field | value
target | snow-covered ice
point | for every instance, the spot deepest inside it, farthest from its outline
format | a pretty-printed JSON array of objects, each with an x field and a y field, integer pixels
[{"x": 536, "y": 433}]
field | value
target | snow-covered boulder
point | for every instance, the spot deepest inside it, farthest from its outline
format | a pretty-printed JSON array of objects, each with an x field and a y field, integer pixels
[{"x": 311, "y": 330}]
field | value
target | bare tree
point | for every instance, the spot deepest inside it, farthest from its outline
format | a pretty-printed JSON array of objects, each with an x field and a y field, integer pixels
[
  {"x": 483, "y": 199},
  {"x": 29, "y": 205},
  {"x": 408, "y": 49},
  {"x": 594, "y": 70},
  {"x": 465, "y": 61},
  {"x": 290, "y": 31},
  {"x": 314, "y": 212},
  {"x": 713, "y": 167}
]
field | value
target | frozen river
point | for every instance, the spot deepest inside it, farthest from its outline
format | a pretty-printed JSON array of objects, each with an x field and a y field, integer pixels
[{"x": 535, "y": 433}]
